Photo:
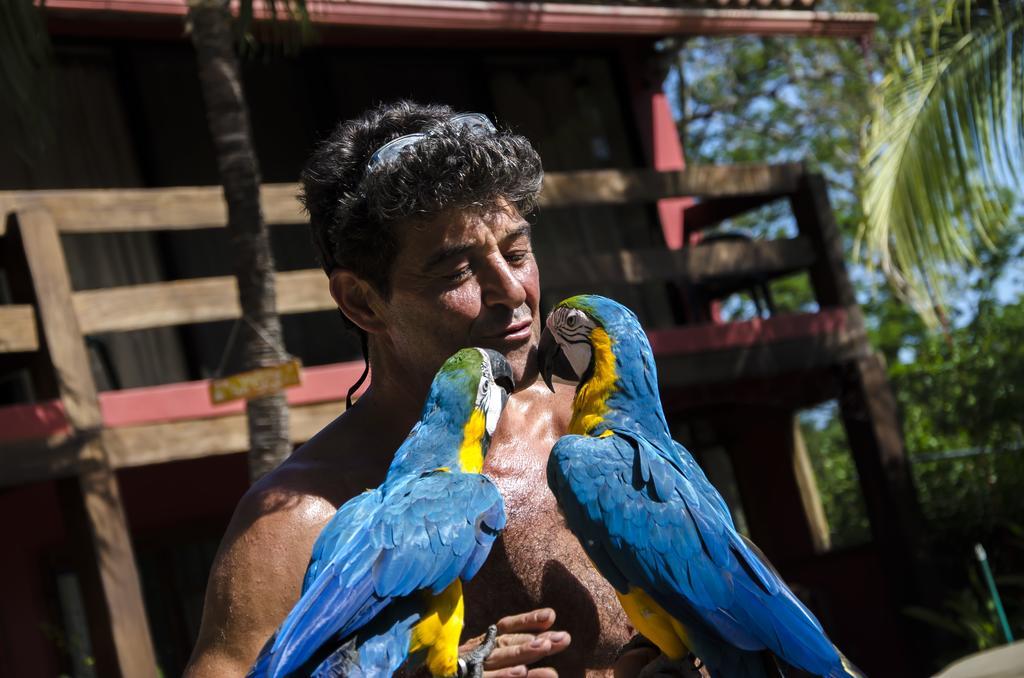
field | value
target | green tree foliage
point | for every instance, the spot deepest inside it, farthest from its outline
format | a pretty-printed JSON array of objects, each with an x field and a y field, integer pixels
[{"x": 961, "y": 391}]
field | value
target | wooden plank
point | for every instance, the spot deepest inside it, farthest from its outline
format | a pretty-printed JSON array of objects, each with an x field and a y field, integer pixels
[
  {"x": 815, "y": 220},
  {"x": 478, "y": 23},
  {"x": 192, "y": 439},
  {"x": 179, "y": 302},
  {"x": 113, "y": 598},
  {"x": 758, "y": 348},
  {"x": 722, "y": 259},
  {"x": 122, "y": 643},
  {"x": 18, "y": 329},
  {"x": 710, "y": 212},
  {"x": 38, "y": 239},
  {"x": 807, "y": 485},
  {"x": 869, "y": 414},
  {"x": 759, "y": 360},
  {"x": 191, "y": 207},
  {"x": 813, "y": 387},
  {"x": 110, "y": 210},
  {"x": 43, "y": 424},
  {"x": 616, "y": 187},
  {"x": 712, "y": 337},
  {"x": 191, "y": 400},
  {"x": 58, "y": 456}
]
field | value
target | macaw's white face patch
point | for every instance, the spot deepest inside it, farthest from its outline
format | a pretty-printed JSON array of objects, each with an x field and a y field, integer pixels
[
  {"x": 490, "y": 398},
  {"x": 571, "y": 328}
]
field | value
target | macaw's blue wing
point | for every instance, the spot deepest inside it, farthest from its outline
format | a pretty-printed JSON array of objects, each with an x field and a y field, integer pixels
[
  {"x": 418, "y": 534},
  {"x": 347, "y": 522},
  {"x": 663, "y": 537}
]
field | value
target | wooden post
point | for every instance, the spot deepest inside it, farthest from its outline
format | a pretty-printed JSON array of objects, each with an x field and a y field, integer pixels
[
  {"x": 868, "y": 410},
  {"x": 867, "y": 405},
  {"x": 119, "y": 630},
  {"x": 815, "y": 220}
]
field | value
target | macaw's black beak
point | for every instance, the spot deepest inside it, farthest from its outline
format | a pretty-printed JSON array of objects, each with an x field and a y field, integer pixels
[
  {"x": 501, "y": 371},
  {"x": 551, "y": 360}
]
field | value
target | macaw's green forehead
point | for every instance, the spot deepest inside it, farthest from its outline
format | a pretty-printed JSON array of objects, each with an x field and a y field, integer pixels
[
  {"x": 458, "y": 380},
  {"x": 467, "y": 362},
  {"x": 587, "y": 303},
  {"x": 581, "y": 302}
]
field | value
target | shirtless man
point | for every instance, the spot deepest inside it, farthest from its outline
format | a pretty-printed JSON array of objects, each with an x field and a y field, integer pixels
[{"x": 427, "y": 251}]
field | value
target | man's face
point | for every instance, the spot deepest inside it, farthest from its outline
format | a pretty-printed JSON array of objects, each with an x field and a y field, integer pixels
[{"x": 466, "y": 278}]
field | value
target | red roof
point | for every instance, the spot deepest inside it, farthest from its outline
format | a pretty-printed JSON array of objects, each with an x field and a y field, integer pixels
[{"x": 699, "y": 17}]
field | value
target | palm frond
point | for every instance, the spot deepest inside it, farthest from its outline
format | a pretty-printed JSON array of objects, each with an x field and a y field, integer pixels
[
  {"x": 26, "y": 74},
  {"x": 943, "y": 153}
]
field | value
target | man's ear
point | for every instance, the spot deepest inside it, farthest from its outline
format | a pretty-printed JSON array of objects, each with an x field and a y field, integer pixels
[{"x": 357, "y": 299}]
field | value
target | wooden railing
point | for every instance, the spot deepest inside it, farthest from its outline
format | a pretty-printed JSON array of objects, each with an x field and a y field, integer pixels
[{"x": 177, "y": 302}]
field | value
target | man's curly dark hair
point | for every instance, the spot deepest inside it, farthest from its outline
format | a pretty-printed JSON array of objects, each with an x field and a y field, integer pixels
[{"x": 354, "y": 213}]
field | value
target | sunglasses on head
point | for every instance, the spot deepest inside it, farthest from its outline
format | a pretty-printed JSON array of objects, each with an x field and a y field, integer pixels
[{"x": 473, "y": 122}]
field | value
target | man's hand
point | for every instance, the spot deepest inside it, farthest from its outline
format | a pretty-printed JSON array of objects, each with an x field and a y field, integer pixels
[{"x": 523, "y": 639}]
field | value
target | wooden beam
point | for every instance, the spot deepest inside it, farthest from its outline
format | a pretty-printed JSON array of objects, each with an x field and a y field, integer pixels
[
  {"x": 57, "y": 456},
  {"x": 196, "y": 300},
  {"x": 691, "y": 360},
  {"x": 868, "y": 409},
  {"x": 616, "y": 187},
  {"x": 18, "y": 329},
  {"x": 869, "y": 414},
  {"x": 807, "y": 485},
  {"x": 715, "y": 260},
  {"x": 36, "y": 234},
  {"x": 468, "y": 17},
  {"x": 757, "y": 358},
  {"x": 110, "y": 579},
  {"x": 713, "y": 211},
  {"x": 813, "y": 387},
  {"x": 711, "y": 337},
  {"x": 192, "y": 439},
  {"x": 192, "y": 207},
  {"x": 191, "y": 400},
  {"x": 111, "y": 210},
  {"x": 179, "y": 302},
  {"x": 816, "y": 222}
]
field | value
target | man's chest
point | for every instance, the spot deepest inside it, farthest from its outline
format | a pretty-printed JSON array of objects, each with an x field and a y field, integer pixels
[{"x": 539, "y": 563}]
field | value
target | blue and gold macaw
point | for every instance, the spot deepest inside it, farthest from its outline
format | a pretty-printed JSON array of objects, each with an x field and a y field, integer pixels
[
  {"x": 384, "y": 583},
  {"x": 650, "y": 521}
]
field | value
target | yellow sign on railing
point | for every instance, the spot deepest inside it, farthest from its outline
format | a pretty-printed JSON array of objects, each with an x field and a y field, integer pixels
[{"x": 256, "y": 383}]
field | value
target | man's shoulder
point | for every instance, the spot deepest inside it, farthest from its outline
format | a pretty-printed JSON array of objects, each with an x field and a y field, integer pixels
[
  {"x": 292, "y": 493},
  {"x": 308, "y": 487},
  {"x": 279, "y": 518}
]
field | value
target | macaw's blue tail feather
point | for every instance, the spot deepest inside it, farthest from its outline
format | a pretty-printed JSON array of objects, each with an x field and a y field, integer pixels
[
  {"x": 378, "y": 649},
  {"x": 724, "y": 660},
  {"x": 380, "y": 655}
]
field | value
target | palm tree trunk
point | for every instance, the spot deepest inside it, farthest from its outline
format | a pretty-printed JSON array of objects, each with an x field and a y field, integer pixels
[{"x": 228, "y": 116}]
